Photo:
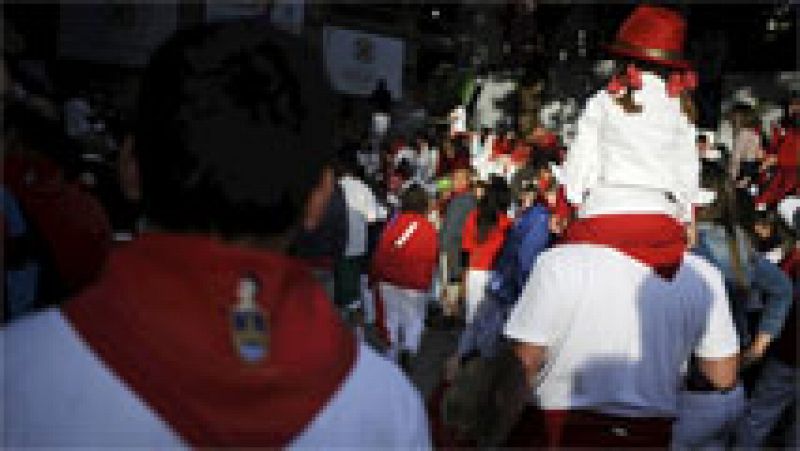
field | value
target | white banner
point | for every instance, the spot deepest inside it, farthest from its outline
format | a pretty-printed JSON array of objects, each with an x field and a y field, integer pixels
[{"x": 356, "y": 61}]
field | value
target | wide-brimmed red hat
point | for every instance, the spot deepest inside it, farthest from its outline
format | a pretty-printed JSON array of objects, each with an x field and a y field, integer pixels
[{"x": 652, "y": 34}]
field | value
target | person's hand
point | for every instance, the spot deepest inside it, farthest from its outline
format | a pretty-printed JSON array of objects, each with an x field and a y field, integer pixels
[
  {"x": 743, "y": 182},
  {"x": 755, "y": 352}
]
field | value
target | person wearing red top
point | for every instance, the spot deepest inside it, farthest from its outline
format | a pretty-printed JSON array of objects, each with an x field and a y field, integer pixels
[
  {"x": 72, "y": 225},
  {"x": 520, "y": 153},
  {"x": 483, "y": 238},
  {"x": 403, "y": 268},
  {"x": 786, "y": 160},
  {"x": 502, "y": 145}
]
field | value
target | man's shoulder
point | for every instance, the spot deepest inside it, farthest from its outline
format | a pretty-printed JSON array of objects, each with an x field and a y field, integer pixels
[
  {"x": 701, "y": 266},
  {"x": 357, "y": 415},
  {"x": 576, "y": 252}
]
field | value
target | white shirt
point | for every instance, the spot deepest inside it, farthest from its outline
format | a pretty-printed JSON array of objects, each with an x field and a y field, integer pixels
[
  {"x": 617, "y": 335},
  {"x": 362, "y": 208},
  {"x": 406, "y": 153},
  {"x": 370, "y": 161},
  {"x": 58, "y": 394},
  {"x": 458, "y": 120},
  {"x": 654, "y": 149}
]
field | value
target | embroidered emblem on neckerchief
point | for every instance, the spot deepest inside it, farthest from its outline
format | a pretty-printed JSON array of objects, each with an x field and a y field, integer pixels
[{"x": 249, "y": 323}]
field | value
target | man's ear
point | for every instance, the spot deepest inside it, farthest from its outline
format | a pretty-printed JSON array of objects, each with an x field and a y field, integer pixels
[
  {"x": 318, "y": 200},
  {"x": 128, "y": 168}
]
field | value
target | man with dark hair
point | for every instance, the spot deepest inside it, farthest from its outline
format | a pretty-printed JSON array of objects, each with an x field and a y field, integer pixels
[
  {"x": 461, "y": 203},
  {"x": 202, "y": 332}
]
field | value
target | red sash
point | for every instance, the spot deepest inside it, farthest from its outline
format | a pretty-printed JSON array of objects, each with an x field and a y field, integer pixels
[
  {"x": 160, "y": 319},
  {"x": 658, "y": 241}
]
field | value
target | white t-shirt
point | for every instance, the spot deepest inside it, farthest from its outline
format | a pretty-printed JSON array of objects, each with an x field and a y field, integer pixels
[
  {"x": 58, "y": 394},
  {"x": 617, "y": 335},
  {"x": 362, "y": 208},
  {"x": 369, "y": 161}
]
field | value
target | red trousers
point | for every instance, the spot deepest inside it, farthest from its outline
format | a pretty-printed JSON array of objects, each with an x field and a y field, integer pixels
[{"x": 553, "y": 429}]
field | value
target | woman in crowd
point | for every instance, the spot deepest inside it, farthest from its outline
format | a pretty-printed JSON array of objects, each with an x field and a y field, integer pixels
[
  {"x": 484, "y": 234},
  {"x": 708, "y": 417}
]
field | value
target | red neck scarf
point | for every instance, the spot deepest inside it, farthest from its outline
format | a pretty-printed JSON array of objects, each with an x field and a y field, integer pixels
[
  {"x": 658, "y": 241},
  {"x": 159, "y": 318}
]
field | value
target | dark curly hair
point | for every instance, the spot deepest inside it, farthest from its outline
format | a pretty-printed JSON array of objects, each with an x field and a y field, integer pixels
[{"x": 233, "y": 129}]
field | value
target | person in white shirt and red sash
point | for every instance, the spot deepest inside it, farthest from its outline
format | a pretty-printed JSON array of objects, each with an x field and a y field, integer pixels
[
  {"x": 202, "y": 332},
  {"x": 610, "y": 317}
]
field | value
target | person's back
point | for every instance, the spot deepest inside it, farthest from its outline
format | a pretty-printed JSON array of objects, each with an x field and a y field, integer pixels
[
  {"x": 63, "y": 397},
  {"x": 203, "y": 332},
  {"x": 628, "y": 336},
  {"x": 463, "y": 201}
]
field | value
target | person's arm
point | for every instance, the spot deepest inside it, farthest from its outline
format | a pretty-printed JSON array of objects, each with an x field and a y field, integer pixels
[
  {"x": 777, "y": 288},
  {"x": 532, "y": 358},
  {"x": 718, "y": 347},
  {"x": 722, "y": 372},
  {"x": 687, "y": 170},
  {"x": 582, "y": 165},
  {"x": 540, "y": 316}
]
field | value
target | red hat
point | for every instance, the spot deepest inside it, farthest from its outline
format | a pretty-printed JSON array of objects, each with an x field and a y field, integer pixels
[{"x": 652, "y": 34}]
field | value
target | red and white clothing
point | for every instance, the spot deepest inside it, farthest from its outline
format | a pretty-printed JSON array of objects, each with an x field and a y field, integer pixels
[
  {"x": 482, "y": 255},
  {"x": 653, "y": 151},
  {"x": 403, "y": 267},
  {"x": 146, "y": 358},
  {"x": 618, "y": 335},
  {"x": 619, "y": 308},
  {"x": 786, "y": 180}
]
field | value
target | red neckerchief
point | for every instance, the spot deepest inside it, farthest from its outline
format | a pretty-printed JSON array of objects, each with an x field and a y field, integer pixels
[
  {"x": 70, "y": 222},
  {"x": 658, "y": 241},
  {"x": 159, "y": 318}
]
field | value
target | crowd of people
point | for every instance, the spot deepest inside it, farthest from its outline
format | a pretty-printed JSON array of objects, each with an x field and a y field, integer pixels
[{"x": 635, "y": 288}]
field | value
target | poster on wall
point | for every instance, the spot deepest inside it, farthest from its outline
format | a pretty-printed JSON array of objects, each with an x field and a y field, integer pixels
[{"x": 356, "y": 61}]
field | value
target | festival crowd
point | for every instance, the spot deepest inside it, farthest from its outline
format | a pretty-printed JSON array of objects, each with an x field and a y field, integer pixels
[{"x": 637, "y": 287}]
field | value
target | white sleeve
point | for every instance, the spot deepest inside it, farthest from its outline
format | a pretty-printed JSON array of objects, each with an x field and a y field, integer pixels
[
  {"x": 687, "y": 170},
  {"x": 374, "y": 209},
  {"x": 582, "y": 165},
  {"x": 719, "y": 338},
  {"x": 542, "y": 311}
]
